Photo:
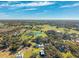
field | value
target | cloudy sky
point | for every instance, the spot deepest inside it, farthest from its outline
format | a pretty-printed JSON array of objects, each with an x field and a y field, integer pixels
[{"x": 39, "y": 10}]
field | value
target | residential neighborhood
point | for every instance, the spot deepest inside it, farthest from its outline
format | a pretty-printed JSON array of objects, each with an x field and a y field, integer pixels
[{"x": 38, "y": 41}]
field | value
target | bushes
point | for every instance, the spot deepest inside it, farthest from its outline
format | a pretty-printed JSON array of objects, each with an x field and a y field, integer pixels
[
  {"x": 68, "y": 54},
  {"x": 13, "y": 43},
  {"x": 51, "y": 51},
  {"x": 73, "y": 48}
]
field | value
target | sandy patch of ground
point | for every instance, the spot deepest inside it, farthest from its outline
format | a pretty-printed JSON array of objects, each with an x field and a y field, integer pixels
[{"x": 6, "y": 55}]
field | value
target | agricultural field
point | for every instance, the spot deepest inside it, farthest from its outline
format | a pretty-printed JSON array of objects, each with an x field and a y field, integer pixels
[{"x": 39, "y": 39}]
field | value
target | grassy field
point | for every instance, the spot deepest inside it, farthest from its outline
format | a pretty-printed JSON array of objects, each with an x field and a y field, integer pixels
[{"x": 48, "y": 27}]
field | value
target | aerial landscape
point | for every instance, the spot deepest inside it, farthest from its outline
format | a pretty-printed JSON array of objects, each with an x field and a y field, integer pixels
[
  {"x": 39, "y": 39},
  {"x": 44, "y": 29}
]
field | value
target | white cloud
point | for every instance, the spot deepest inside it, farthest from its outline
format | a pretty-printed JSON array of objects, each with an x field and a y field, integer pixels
[
  {"x": 12, "y": 6},
  {"x": 31, "y": 4},
  {"x": 45, "y": 3},
  {"x": 31, "y": 9},
  {"x": 72, "y": 5}
]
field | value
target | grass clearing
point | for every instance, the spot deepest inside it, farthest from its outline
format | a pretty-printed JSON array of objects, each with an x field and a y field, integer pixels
[{"x": 68, "y": 55}]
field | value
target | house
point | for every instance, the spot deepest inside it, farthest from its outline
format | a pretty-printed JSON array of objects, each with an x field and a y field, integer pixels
[
  {"x": 46, "y": 40},
  {"x": 59, "y": 34},
  {"x": 76, "y": 40},
  {"x": 59, "y": 31},
  {"x": 19, "y": 55},
  {"x": 61, "y": 48},
  {"x": 46, "y": 44},
  {"x": 67, "y": 36},
  {"x": 37, "y": 41},
  {"x": 42, "y": 53},
  {"x": 64, "y": 48},
  {"x": 40, "y": 46},
  {"x": 50, "y": 32},
  {"x": 16, "y": 33}
]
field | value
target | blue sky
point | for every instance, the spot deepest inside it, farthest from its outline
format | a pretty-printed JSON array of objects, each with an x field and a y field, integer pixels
[{"x": 39, "y": 10}]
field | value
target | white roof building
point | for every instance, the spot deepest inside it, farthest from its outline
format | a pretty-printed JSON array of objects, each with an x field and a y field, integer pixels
[
  {"x": 19, "y": 55},
  {"x": 42, "y": 52}
]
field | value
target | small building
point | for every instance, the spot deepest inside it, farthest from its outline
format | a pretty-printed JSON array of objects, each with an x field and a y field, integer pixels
[
  {"x": 76, "y": 40},
  {"x": 46, "y": 40},
  {"x": 50, "y": 32},
  {"x": 16, "y": 33},
  {"x": 46, "y": 44},
  {"x": 42, "y": 53},
  {"x": 61, "y": 48},
  {"x": 40, "y": 46},
  {"x": 59, "y": 31},
  {"x": 64, "y": 48},
  {"x": 67, "y": 36},
  {"x": 19, "y": 55},
  {"x": 37, "y": 41}
]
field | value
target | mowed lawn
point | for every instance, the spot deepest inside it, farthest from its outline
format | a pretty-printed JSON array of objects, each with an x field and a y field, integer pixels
[
  {"x": 27, "y": 52},
  {"x": 30, "y": 51},
  {"x": 48, "y": 27},
  {"x": 33, "y": 34}
]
